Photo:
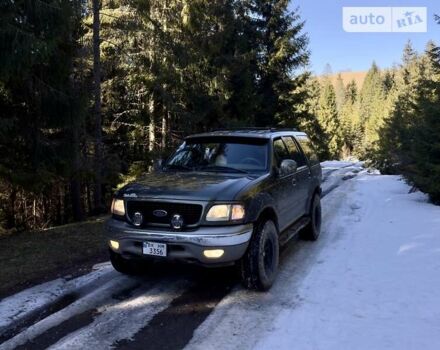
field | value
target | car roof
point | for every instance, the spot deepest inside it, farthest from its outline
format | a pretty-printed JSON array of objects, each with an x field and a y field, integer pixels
[{"x": 260, "y": 133}]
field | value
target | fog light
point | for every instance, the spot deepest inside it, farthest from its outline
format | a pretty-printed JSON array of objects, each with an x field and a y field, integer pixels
[
  {"x": 213, "y": 253},
  {"x": 114, "y": 245}
]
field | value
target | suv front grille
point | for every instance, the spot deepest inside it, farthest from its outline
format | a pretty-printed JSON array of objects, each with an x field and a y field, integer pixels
[{"x": 191, "y": 213}]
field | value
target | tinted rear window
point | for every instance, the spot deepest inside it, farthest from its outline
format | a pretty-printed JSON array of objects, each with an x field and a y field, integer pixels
[
  {"x": 297, "y": 156},
  {"x": 308, "y": 149}
]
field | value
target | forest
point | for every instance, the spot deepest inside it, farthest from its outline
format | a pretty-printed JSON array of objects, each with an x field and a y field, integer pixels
[{"x": 93, "y": 91}]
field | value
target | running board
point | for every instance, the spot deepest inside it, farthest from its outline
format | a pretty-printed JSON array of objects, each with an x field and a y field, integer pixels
[{"x": 293, "y": 230}]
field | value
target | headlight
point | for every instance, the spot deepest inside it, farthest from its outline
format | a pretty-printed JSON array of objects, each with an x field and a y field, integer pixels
[
  {"x": 225, "y": 212},
  {"x": 118, "y": 207},
  {"x": 237, "y": 212},
  {"x": 219, "y": 213}
]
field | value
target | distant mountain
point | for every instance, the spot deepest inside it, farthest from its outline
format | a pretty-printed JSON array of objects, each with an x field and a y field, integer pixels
[{"x": 358, "y": 77}]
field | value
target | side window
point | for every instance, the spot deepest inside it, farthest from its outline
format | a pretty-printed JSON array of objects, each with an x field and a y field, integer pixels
[
  {"x": 308, "y": 149},
  {"x": 296, "y": 153},
  {"x": 280, "y": 151}
]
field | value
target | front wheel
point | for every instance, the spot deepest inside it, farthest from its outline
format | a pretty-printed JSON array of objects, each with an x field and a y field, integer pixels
[
  {"x": 125, "y": 266},
  {"x": 312, "y": 231},
  {"x": 259, "y": 265}
]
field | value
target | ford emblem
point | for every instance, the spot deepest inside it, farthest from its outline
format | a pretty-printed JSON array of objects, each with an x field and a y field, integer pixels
[
  {"x": 160, "y": 213},
  {"x": 177, "y": 222}
]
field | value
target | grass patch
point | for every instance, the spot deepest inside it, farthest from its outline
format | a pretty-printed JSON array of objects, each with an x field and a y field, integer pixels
[{"x": 31, "y": 257}]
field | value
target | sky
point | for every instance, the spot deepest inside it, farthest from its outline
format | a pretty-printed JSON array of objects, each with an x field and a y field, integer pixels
[{"x": 344, "y": 51}]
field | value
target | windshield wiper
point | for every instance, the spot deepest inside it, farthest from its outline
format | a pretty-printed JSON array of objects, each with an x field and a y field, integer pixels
[{"x": 222, "y": 168}]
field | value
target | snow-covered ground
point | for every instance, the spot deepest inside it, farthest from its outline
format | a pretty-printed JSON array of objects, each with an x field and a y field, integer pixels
[
  {"x": 23, "y": 304},
  {"x": 377, "y": 284},
  {"x": 371, "y": 281}
]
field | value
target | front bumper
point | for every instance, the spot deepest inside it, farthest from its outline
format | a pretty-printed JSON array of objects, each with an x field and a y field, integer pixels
[{"x": 188, "y": 246}]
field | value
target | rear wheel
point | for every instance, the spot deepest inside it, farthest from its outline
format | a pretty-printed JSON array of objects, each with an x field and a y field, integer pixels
[
  {"x": 125, "y": 266},
  {"x": 259, "y": 265},
  {"x": 312, "y": 231}
]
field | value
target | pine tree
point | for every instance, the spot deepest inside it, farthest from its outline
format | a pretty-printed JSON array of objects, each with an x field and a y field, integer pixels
[
  {"x": 423, "y": 169},
  {"x": 98, "y": 202},
  {"x": 41, "y": 108},
  {"x": 306, "y": 117},
  {"x": 405, "y": 115},
  {"x": 281, "y": 52},
  {"x": 410, "y": 142},
  {"x": 328, "y": 70},
  {"x": 409, "y": 54},
  {"x": 350, "y": 120},
  {"x": 340, "y": 92},
  {"x": 371, "y": 104},
  {"x": 389, "y": 80},
  {"x": 329, "y": 119}
]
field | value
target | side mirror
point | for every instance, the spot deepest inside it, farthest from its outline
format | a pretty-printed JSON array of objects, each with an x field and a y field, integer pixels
[{"x": 288, "y": 166}]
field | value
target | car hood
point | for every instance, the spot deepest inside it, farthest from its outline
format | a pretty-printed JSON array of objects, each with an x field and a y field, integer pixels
[{"x": 187, "y": 185}]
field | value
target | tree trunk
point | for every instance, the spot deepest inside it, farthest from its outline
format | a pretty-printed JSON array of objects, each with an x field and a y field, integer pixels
[
  {"x": 89, "y": 199},
  {"x": 34, "y": 212},
  {"x": 75, "y": 131},
  {"x": 75, "y": 186},
  {"x": 59, "y": 205},
  {"x": 152, "y": 125},
  {"x": 164, "y": 129},
  {"x": 11, "y": 212},
  {"x": 97, "y": 106}
]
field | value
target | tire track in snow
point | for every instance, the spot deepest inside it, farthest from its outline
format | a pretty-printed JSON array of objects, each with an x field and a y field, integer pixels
[
  {"x": 81, "y": 305},
  {"x": 122, "y": 320},
  {"x": 332, "y": 178},
  {"x": 61, "y": 295},
  {"x": 242, "y": 317},
  {"x": 167, "y": 314},
  {"x": 174, "y": 327},
  {"x": 180, "y": 323},
  {"x": 27, "y": 307},
  {"x": 78, "y": 321}
]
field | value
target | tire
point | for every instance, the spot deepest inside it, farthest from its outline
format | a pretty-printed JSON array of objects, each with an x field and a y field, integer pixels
[
  {"x": 259, "y": 265},
  {"x": 125, "y": 266},
  {"x": 313, "y": 229}
]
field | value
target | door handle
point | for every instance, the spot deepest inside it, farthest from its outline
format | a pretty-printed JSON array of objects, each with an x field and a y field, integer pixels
[{"x": 294, "y": 181}]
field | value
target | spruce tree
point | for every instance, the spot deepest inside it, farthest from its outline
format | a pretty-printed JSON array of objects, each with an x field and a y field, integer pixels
[
  {"x": 41, "y": 106},
  {"x": 371, "y": 104},
  {"x": 340, "y": 92},
  {"x": 350, "y": 120},
  {"x": 329, "y": 119},
  {"x": 282, "y": 53},
  {"x": 423, "y": 169},
  {"x": 306, "y": 118},
  {"x": 393, "y": 154}
]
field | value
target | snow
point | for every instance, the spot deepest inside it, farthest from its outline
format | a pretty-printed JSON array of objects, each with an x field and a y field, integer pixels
[
  {"x": 246, "y": 316},
  {"x": 378, "y": 284},
  {"x": 370, "y": 282},
  {"x": 334, "y": 173},
  {"x": 136, "y": 313},
  {"x": 22, "y": 304},
  {"x": 336, "y": 164},
  {"x": 99, "y": 295}
]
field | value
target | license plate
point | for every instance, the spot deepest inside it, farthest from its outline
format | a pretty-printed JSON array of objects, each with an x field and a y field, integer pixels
[{"x": 153, "y": 248}]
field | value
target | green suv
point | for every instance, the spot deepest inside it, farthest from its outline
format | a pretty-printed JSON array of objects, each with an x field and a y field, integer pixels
[{"x": 224, "y": 197}]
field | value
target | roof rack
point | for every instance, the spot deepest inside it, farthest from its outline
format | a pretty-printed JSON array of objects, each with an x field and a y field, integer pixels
[{"x": 250, "y": 128}]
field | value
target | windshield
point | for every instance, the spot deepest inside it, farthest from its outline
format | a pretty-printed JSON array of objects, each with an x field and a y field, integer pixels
[{"x": 221, "y": 156}]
